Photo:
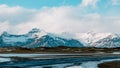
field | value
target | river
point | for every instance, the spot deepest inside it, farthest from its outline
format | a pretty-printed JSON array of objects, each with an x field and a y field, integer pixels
[{"x": 54, "y": 60}]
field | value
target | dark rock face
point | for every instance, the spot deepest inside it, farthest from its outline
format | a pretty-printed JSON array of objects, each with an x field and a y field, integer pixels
[
  {"x": 114, "y": 64},
  {"x": 48, "y": 41}
]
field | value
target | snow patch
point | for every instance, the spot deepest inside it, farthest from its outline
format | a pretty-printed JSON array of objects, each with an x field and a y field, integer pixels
[
  {"x": 75, "y": 67},
  {"x": 116, "y": 52},
  {"x": 5, "y": 59},
  {"x": 93, "y": 64}
]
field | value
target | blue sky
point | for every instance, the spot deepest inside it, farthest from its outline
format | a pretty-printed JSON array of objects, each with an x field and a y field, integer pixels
[
  {"x": 39, "y": 3},
  {"x": 103, "y": 6},
  {"x": 59, "y": 16}
]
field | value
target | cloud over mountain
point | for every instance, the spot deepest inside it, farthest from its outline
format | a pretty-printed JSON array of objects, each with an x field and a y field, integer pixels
[{"x": 19, "y": 20}]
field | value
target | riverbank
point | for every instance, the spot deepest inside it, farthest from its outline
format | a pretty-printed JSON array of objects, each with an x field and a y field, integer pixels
[
  {"x": 113, "y": 64},
  {"x": 55, "y": 57},
  {"x": 60, "y": 49},
  {"x": 55, "y": 60},
  {"x": 67, "y": 62}
]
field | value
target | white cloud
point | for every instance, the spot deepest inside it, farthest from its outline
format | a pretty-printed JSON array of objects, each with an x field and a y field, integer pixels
[
  {"x": 55, "y": 19},
  {"x": 15, "y": 14},
  {"x": 61, "y": 19},
  {"x": 4, "y": 26},
  {"x": 86, "y": 3},
  {"x": 115, "y": 2}
]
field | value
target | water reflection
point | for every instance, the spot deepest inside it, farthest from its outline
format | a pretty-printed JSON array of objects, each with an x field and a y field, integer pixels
[
  {"x": 62, "y": 62},
  {"x": 58, "y": 63}
]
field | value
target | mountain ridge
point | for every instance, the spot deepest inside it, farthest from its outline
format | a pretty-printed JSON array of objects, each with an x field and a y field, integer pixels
[
  {"x": 36, "y": 38},
  {"x": 40, "y": 38}
]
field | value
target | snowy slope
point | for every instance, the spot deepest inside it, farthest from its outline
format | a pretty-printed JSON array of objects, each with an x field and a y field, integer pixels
[
  {"x": 16, "y": 40},
  {"x": 37, "y": 38},
  {"x": 8, "y": 38},
  {"x": 36, "y": 33},
  {"x": 110, "y": 41},
  {"x": 40, "y": 38},
  {"x": 91, "y": 37}
]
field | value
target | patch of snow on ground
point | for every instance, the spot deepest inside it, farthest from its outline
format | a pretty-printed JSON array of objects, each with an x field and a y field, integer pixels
[
  {"x": 116, "y": 52},
  {"x": 5, "y": 59},
  {"x": 90, "y": 64},
  {"x": 75, "y": 67},
  {"x": 54, "y": 66},
  {"x": 93, "y": 64},
  {"x": 29, "y": 55}
]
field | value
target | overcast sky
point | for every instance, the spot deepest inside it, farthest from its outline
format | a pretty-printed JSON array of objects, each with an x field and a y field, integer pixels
[{"x": 57, "y": 16}]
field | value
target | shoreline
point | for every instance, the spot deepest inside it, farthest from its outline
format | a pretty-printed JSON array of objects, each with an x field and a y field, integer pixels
[
  {"x": 112, "y": 64},
  {"x": 57, "y": 55},
  {"x": 43, "y": 59}
]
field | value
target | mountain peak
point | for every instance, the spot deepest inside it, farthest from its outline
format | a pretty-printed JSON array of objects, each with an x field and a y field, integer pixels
[
  {"x": 35, "y": 30},
  {"x": 91, "y": 32},
  {"x": 5, "y": 33}
]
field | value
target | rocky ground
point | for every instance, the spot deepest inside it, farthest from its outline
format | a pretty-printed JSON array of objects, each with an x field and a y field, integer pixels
[
  {"x": 114, "y": 64},
  {"x": 60, "y": 49}
]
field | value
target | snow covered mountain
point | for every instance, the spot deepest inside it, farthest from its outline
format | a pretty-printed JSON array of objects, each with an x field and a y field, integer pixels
[
  {"x": 36, "y": 38},
  {"x": 40, "y": 38},
  {"x": 92, "y": 39},
  {"x": 111, "y": 41}
]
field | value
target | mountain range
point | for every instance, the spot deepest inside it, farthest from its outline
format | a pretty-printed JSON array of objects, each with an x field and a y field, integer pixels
[{"x": 39, "y": 38}]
